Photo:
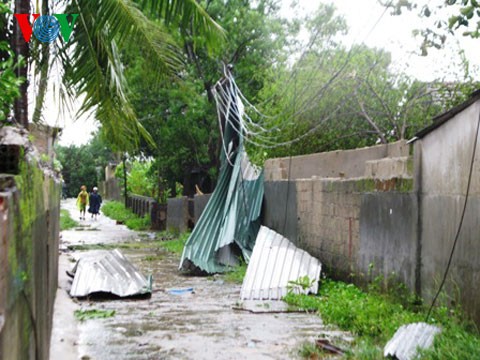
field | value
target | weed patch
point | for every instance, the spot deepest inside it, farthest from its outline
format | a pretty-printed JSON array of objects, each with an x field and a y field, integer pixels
[
  {"x": 83, "y": 315},
  {"x": 237, "y": 274},
  {"x": 176, "y": 245},
  {"x": 66, "y": 221},
  {"x": 374, "y": 317}
]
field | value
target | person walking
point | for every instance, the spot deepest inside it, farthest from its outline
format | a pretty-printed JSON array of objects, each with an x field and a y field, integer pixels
[
  {"x": 82, "y": 201},
  {"x": 95, "y": 203}
]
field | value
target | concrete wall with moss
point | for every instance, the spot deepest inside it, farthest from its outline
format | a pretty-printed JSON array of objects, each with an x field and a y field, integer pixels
[{"x": 29, "y": 230}]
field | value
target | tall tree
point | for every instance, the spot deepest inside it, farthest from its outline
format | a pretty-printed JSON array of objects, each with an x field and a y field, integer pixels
[{"x": 182, "y": 117}]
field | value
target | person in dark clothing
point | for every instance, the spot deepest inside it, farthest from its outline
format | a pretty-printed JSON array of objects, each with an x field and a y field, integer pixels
[{"x": 95, "y": 202}]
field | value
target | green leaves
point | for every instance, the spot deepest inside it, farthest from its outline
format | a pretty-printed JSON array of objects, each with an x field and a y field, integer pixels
[
  {"x": 9, "y": 82},
  {"x": 93, "y": 62},
  {"x": 189, "y": 16}
]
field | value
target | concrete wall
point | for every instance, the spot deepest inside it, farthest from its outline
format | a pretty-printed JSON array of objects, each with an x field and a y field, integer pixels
[
  {"x": 345, "y": 164},
  {"x": 200, "y": 201},
  {"x": 355, "y": 227},
  {"x": 379, "y": 211},
  {"x": 280, "y": 213},
  {"x": 178, "y": 214},
  {"x": 445, "y": 156},
  {"x": 29, "y": 234},
  {"x": 388, "y": 237}
]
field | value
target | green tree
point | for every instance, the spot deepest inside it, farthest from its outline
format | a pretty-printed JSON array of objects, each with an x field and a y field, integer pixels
[
  {"x": 448, "y": 17},
  {"x": 337, "y": 98},
  {"x": 84, "y": 165},
  {"x": 182, "y": 117}
]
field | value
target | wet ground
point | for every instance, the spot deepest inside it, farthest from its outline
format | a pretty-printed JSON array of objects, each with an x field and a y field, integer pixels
[{"x": 202, "y": 325}]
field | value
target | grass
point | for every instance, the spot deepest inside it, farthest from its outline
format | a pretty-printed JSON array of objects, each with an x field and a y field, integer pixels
[
  {"x": 163, "y": 240},
  {"x": 373, "y": 317},
  {"x": 66, "y": 221},
  {"x": 83, "y": 315},
  {"x": 237, "y": 273},
  {"x": 117, "y": 211},
  {"x": 175, "y": 245}
]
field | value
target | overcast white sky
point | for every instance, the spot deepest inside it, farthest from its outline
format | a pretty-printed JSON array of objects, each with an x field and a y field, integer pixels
[{"x": 391, "y": 33}]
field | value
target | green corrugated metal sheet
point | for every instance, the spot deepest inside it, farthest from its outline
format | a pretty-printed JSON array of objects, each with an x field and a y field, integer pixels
[{"x": 231, "y": 219}]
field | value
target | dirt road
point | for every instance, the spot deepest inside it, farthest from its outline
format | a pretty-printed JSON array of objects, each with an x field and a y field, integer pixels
[{"x": 201, "y": 325}]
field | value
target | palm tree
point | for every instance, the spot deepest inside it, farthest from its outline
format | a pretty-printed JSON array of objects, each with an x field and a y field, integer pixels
[{"x": 91, "y": 63}]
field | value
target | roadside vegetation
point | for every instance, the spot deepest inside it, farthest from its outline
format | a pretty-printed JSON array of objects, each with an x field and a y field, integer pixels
[
  {"x": 176, "y": 244},
  {"x": 237, "y": 273},
  {"x": 373, "y": 317},
  {"x": 117, "y": 211},
  {"x": 66, "y": 221}
]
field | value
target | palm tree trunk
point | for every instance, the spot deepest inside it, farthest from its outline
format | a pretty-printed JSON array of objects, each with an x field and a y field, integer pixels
[
  {"x": 21, "y": 49},
  {"x": 44, "y": 70}
]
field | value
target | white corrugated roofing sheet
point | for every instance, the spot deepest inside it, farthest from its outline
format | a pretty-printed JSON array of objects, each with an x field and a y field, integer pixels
[
  {"x": 408, "y": 338},
  {"x": 274, "y": 263},
  {"x": 108, "y": 272}
]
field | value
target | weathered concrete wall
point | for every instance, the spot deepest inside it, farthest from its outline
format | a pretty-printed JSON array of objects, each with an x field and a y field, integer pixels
[
  {"x": 200, "y": 201},
  {"x": 110, "y": 190},
  {"x": 378, "y": 211},
  {"x": 445, "y": 157},
  {"x": 29, "y": 230},
  {"x": 177, "y": 214},
  {"x": 328, "y": 221},
  {"x": 345, "y": 164},
  {"x": 388, "y": 237},
  {"x": 280, "y": 213},
  {"x": 355, "y": 227}
]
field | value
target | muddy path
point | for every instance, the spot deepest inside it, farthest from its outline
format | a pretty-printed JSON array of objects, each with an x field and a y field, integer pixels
[{"x": 201, "y": 325}]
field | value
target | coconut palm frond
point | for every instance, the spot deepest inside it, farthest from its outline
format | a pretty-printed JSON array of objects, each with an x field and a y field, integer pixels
[{"x": 188, "y": 14}]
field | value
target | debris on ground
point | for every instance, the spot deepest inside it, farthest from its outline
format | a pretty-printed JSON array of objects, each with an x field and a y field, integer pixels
[
  {"x": 409, "y": 338},
  {"x": 266, "y": 307},
  {"x": 325, "y": 345},
  {"x": 108, "y": 272},
  {"x": 277, "y": 267},
  {"x": 181, "y": 291}
]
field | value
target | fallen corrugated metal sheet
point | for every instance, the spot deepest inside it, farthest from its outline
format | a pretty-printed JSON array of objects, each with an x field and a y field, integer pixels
[
  {"x": 108, "y": 272},
  {"x": 408, "y": 338},
  {"x": 274, "y": 263},
  {"x": 229, "y": 224}
]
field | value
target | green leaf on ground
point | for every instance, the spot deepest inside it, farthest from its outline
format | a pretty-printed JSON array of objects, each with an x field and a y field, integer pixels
[{"x": 83, "y": 315}]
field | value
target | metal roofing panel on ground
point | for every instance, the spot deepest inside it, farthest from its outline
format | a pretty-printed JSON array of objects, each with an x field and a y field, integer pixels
[
  {"x": 274, "y": 263},
  {"x": 108, "y": 272},
  {"x": 408, "y": 338}
]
